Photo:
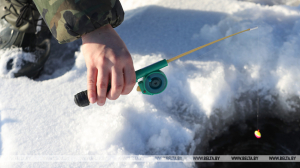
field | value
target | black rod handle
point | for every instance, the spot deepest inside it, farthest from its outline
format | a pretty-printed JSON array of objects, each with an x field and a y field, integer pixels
[{"x": 82, "y": 100}]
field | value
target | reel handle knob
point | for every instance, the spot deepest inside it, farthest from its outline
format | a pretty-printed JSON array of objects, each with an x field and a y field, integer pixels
[{"x": 82, "y": 100}]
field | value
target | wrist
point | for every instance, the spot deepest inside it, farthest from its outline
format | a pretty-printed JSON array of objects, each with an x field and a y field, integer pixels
[{"x": 96, "y": 31}]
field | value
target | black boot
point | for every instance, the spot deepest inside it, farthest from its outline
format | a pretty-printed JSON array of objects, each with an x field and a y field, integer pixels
[{"x": 20, "y": 27}]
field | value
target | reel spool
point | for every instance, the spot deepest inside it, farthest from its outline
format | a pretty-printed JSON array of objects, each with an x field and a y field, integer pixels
[{"x": 153, "y": 83}]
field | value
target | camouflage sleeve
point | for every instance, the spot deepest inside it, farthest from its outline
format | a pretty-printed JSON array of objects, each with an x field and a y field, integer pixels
[{"x": 68, "y": 20}]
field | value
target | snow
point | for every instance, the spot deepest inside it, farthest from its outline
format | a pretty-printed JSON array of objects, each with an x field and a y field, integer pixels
[{"x": 39, "y": 117}]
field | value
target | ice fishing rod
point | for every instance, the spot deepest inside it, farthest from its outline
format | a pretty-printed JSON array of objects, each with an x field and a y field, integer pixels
[{"x": 154, "y": 80}]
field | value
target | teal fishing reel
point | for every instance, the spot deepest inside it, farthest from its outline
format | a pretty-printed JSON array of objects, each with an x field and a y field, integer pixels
[
  {"x": 154, "y": 80},
  {"x": 153, "y": 83}
]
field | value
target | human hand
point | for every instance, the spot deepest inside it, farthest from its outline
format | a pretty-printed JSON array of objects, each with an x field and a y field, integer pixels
[{"x": 107, "y": 58}]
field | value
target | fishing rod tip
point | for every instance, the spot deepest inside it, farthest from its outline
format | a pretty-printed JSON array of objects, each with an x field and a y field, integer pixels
[{"x": 253, "y": 28}]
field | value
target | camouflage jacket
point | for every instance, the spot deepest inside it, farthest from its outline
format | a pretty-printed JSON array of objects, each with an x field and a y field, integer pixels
[{"x": 68, "y": 20}]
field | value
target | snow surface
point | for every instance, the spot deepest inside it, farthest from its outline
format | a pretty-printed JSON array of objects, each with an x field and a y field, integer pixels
[{"x": 39, "y": 117}]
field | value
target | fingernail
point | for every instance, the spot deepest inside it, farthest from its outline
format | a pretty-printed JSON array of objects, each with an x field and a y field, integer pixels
[
  {"x": 100, "y": 104},
  {"x": 92, "y": 100}
]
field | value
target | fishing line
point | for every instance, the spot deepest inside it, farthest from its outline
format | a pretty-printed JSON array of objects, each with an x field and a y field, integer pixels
[
  {"x": 257, "y": 112},
  {"x": 257, "y": 84},
  {"x": 257, "y": 132}
]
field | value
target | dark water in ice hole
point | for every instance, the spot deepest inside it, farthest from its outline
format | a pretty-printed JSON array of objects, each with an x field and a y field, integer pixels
[{"x": 279, "y": 129}]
